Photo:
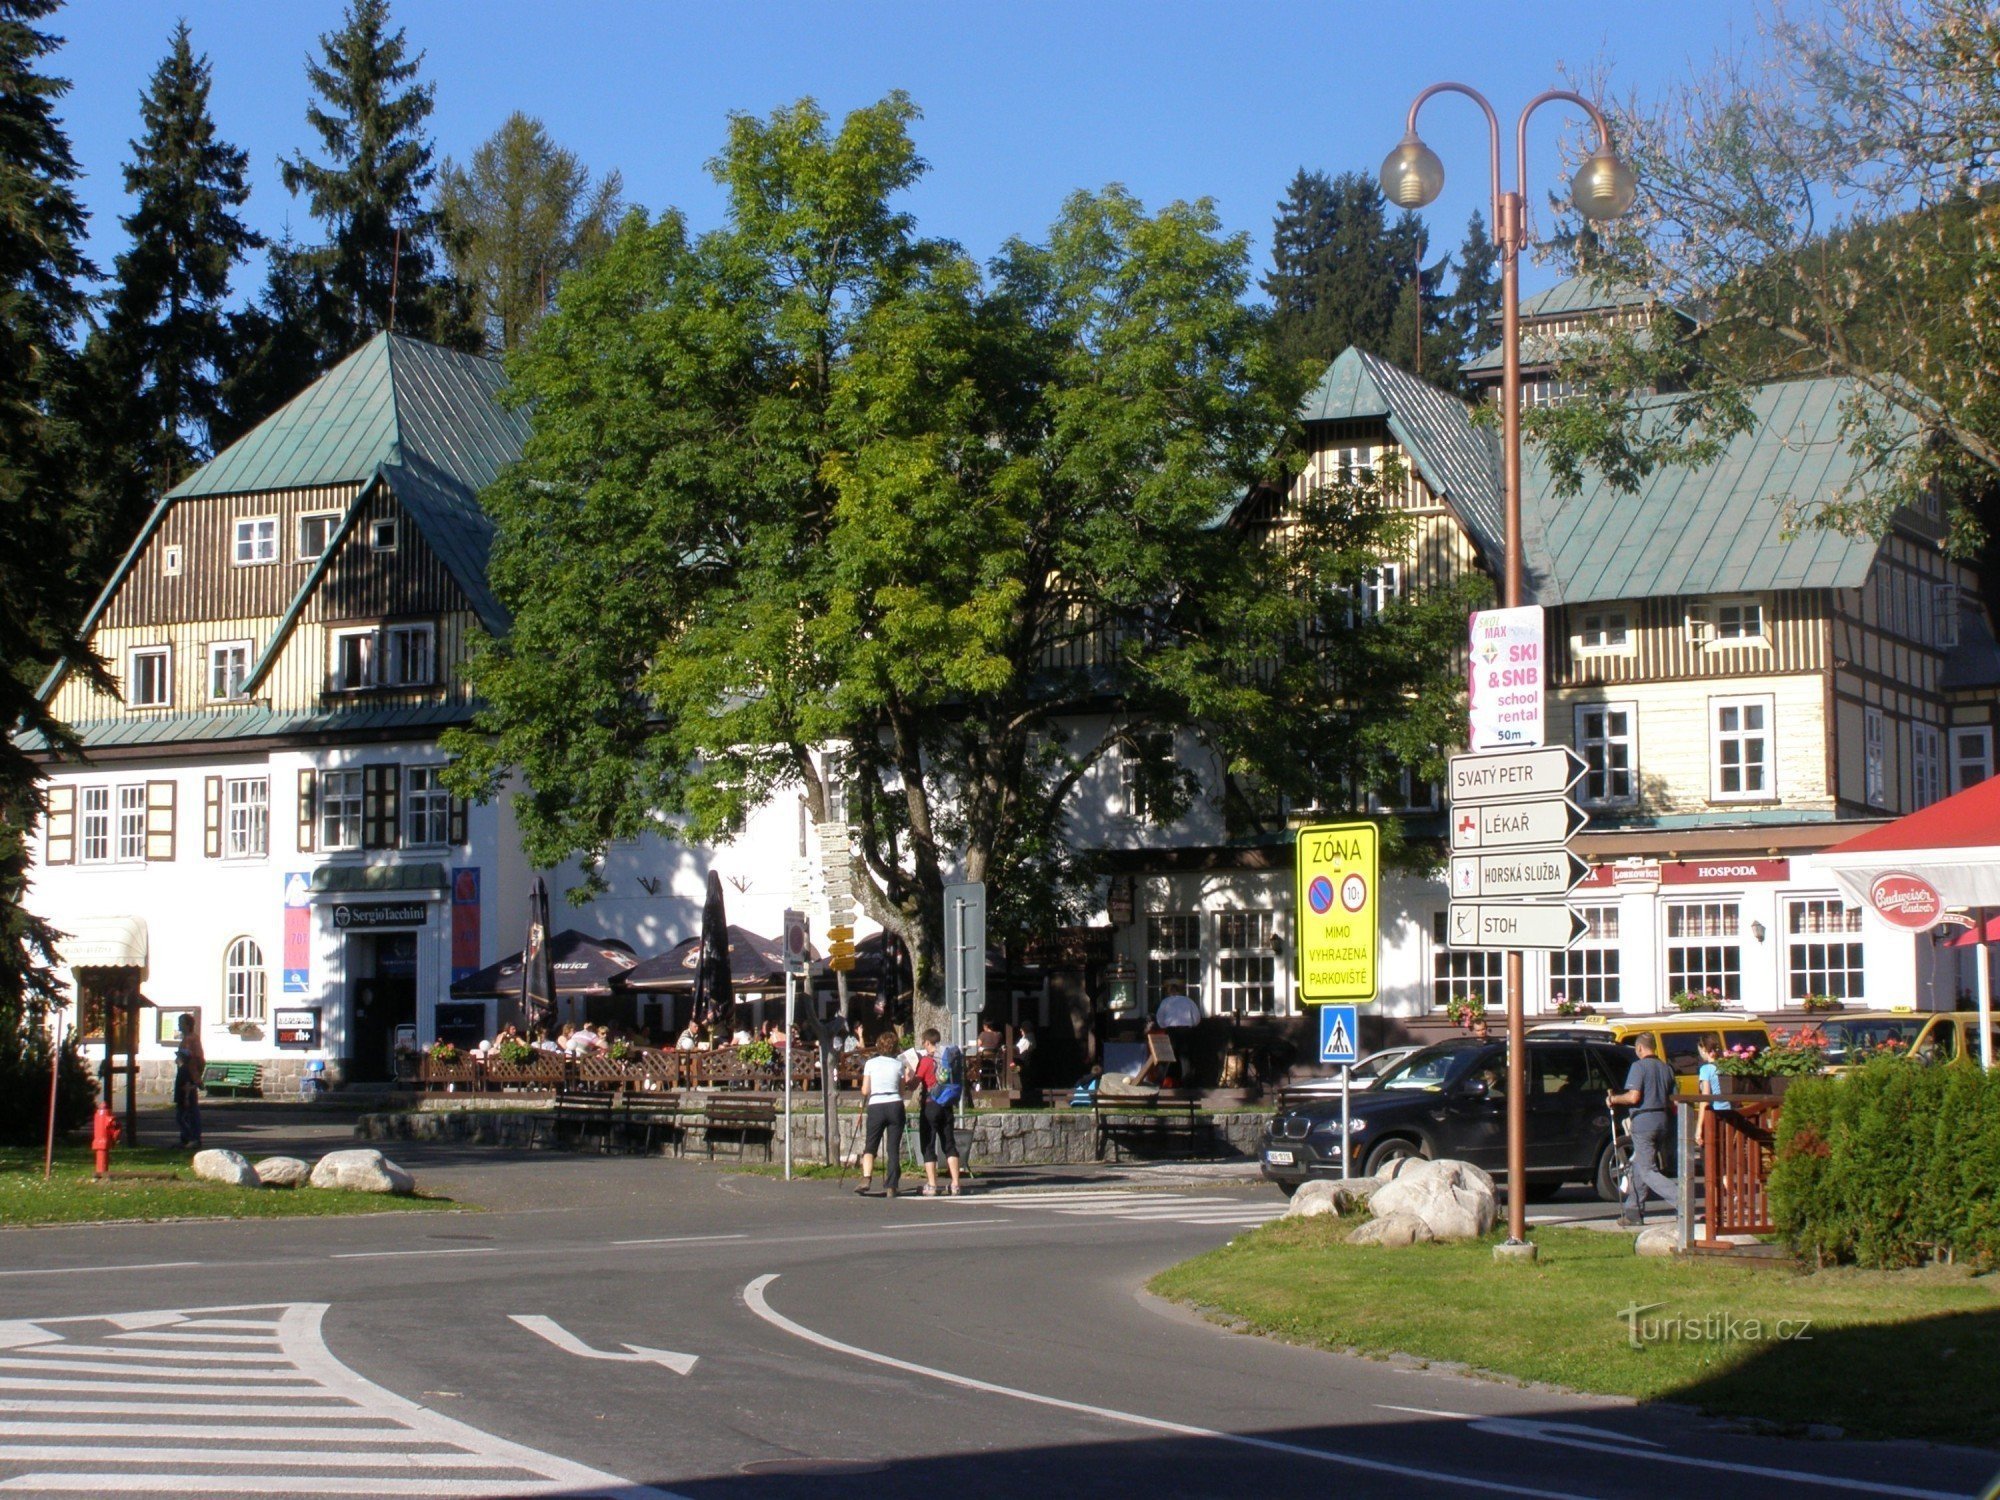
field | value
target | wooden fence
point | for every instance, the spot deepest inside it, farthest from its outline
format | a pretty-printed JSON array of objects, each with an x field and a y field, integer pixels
[{"x": 1736, "y": 1149}]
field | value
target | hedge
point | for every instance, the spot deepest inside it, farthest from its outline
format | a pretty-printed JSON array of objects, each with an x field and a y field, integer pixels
[{"x": 1893, "y": 1164}]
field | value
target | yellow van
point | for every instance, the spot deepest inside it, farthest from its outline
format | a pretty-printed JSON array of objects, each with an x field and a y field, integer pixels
[
  {"x": 1934, "y": 1035},
  {"x": 1674, "y": 1036}
]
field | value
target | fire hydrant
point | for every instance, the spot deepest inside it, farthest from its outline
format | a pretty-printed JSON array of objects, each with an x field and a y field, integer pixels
[{"x": 104, "y": 1134}]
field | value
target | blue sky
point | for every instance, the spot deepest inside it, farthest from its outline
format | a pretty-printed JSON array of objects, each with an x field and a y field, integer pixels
[{"x": 1023, "y": 102}]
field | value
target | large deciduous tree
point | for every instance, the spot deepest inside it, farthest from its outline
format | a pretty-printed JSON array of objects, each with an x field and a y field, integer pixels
[
  {"x": 41, "y": 275},
  {"x": 812, "y": 480},
  {"x": 1824, "y": 208},
  {"x": 518, "y": 217}
]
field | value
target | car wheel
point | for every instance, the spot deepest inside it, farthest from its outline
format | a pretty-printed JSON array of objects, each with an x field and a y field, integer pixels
[
  {"x": 1607, "y": 1176},
  {"x": 1390, "y": 1151}
]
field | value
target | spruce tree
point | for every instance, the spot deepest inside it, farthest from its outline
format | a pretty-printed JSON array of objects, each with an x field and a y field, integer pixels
[
  {"x": 42, "y": 272},
  {"x": 280, "y": 342},
  {"x": 380, "y": 265},
  {"x": 167, "y": 333},
  {"x": 1473, "y": 310}
]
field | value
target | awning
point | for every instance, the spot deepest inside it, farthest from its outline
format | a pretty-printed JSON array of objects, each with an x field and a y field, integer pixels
[
  {"x": 1954, "y": 845},
  {"x": 380, "y": 878},
  {"x": 104, "y": 943},
  {"x": 584, "y": 964}
]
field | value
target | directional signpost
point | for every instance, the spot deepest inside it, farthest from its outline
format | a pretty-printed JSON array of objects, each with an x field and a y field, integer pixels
[
  {"x": 1511, "y": 823},
  {"x": 1514, "y": 924},
  {"x": 1531, "y": 823},
  {"x": 1527, "y": 872}
]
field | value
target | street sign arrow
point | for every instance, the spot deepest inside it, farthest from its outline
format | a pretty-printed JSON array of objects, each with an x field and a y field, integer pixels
[
  {"x": 1514, "y": 924},
  {"x": 1502, "y": 775},
  {"x": 1530, "y": 823},
  {"x": 563, "y": 1339},
  {"x": 1548, "y": 872}
]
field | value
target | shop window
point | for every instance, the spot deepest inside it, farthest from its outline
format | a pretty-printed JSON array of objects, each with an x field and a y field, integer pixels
[
  {"x": 1478, "y": 973},
  {"x": 1704, "y": 950},
  {"x": 1822, "y": 949},
  {"x": 1246, "y": 965},
  {"x": 1588, "y": 973},
  {"x": 1173, "y": 956}
]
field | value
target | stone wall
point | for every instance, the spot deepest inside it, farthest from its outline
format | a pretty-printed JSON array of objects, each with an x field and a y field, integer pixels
[
  {"x": 996, "y": 1138},
  {"x": 277, "y": 1077}
]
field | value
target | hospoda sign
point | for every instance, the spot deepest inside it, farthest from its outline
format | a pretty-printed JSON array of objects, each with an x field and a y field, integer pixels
[
  {"x": 352, "y": 916},
  {"x": 1905, "y": 900}
]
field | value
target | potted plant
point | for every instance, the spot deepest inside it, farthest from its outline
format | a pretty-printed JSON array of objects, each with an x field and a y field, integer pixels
[
  {"x": 513, "y": 1052},
  {"x": 1568, "y": 1006},
  {"x": 1689, "y": 1000},
  {"x": 1466, "y": 1011},
  {"x": 1745, "y": 1069},
  {"x": 622, "y": 1051},
  {"x": 759, "y": 1054},
  {"x": 1817, "y": 1004},
  {"x": 444, "y": 1054}
]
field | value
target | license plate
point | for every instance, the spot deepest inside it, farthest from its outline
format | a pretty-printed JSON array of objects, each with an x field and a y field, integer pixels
[{"x": 1278, "y": 1158}]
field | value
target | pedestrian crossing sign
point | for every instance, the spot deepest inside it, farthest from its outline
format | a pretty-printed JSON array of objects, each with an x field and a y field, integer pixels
[{"x": 1339, "y": 1034}]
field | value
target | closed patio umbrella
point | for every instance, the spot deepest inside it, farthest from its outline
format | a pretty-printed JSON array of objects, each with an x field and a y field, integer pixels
[
  {"x": 714, "y": 995},
  {"x": 538, "y": 980}
]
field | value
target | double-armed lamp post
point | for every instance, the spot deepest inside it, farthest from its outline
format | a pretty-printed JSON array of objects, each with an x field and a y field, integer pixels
[{"x": 1603, "y": 188}]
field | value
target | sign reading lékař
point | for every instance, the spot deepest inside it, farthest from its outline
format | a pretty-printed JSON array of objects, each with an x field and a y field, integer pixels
[{"x": 1339, "y": 867}]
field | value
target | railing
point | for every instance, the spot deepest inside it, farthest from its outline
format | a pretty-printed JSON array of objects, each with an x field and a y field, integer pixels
[
  {"x": 650, "y": 1071},
  {"x": 1737, "y": 1144}
]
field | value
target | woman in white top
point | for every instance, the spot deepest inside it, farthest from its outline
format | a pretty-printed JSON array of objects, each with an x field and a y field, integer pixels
[{"x": 883, "y": 1078}]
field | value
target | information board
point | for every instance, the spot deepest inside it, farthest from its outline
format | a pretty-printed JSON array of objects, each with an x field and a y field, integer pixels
[{"x": 1337, "y": 899}]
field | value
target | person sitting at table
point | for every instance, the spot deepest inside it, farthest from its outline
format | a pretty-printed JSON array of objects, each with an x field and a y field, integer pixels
[
  {"x": 990, "y": 1039},
  {"x": 541, "y": 1041},
  {"x": 689, "y": 1038},
  {"x": 741, "y": 1037}
]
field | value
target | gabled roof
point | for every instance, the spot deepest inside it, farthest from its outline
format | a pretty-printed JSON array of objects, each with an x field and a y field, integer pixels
[
  {"x": 1582, "y": 294},
  {"x": 1718, "y": 528},
  {"x": 1458, "y": 459},
  {"x": 255, "y": 722}
]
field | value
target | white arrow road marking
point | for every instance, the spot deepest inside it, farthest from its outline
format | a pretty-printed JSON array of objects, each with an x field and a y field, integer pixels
[
  {"x": 249, "y": 1401},
  {"x": 563, "y": 1339},
  {"x": 753, "y": 1298}
]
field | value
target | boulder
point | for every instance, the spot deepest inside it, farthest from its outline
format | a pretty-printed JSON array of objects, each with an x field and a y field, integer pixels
[
  {"x": 361, "y": 1171},
  {"x": 226, "y": 1167},
  {"x": 1454, "y": 1200},
  {"x": 1326, "y": 1196},
  {"x": 1391, "y": 1231},
  {"x": 282, "y": 1171},
  {"x": 1657, "y": 1239},
  {"x": 1397, "y": 1166}
]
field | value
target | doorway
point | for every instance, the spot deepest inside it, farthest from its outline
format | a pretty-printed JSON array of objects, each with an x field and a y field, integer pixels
[{"x": 382, "y": 995}]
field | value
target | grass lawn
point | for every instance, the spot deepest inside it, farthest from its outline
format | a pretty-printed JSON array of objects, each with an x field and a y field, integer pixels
[
  {"x": 149, "y": 1182},
  {"x": 1886, "y": 1354}
]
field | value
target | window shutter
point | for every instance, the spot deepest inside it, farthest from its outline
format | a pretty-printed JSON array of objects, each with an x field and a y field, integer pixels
[
  {"x": 308, "y": 808},
  {"x": 457, "y": 820},
  {"x": 381, "y": 811},
  {"x": 211, "y": 817},
  {"x": 62, "y": 825},
  {"x": 159, "y": 820}
]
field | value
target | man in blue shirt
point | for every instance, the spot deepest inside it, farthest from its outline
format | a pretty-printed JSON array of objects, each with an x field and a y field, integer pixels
[{"x": 1649, "y": 1090}]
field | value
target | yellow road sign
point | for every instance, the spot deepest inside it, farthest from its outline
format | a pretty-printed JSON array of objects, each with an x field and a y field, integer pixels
[{"x": 1339, "y": 868}]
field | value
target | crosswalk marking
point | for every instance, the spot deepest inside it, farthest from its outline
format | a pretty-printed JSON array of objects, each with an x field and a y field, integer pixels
[
  {"x": 297, "y": 1423},
  {"x": 1136, "y": 1205}
]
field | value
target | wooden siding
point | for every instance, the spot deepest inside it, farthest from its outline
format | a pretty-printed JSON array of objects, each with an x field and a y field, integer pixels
[
  {"x": 363, "y": 585},
  {"x": 1662, "y": 648}
]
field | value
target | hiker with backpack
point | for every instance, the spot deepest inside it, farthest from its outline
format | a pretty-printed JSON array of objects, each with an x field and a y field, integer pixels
[{"x": 941, "y": 1072}]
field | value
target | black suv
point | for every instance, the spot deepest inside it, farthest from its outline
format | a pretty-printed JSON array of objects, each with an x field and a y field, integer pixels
[{"x": 1450, "y": 1100}]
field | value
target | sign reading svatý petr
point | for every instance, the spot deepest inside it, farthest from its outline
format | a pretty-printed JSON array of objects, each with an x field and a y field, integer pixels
[
  {"x": 1905, "y": 900},
  {"x": 1509, "y": 672}
]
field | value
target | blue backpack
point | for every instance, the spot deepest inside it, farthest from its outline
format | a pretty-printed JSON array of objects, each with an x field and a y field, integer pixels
[{"x": 950, "y": 1076}]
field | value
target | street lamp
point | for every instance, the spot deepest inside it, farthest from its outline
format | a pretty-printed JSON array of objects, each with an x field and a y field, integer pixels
[{"x": 1603, "y": 188}]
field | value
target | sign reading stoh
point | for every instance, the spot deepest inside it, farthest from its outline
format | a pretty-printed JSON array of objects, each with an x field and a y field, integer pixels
[{"x": 356, "y": 916}]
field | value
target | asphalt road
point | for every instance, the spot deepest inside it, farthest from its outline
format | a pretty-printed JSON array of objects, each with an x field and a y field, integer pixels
[{"x": 637, "y": 1327}]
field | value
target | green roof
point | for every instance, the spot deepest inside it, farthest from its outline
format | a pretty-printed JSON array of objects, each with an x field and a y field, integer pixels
[
  {"x": 1719, "y": 528},
  {"x": 1582, "y": 294},
  {"x": 255, "y": 723}
]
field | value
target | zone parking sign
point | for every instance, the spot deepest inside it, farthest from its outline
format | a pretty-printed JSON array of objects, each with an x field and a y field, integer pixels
[{"x": 1339, "y": 869}]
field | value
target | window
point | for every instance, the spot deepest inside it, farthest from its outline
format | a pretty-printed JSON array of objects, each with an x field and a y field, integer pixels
[
  {"x": 340, "y": 803},
  {"x": 1944, "y": 615},
  {"x": 353, "y": 660},
  {"x": 1703, "y": 950},
  {"x": 256, "y": 540},
  {"x": 382, "y": 534},
  {"x": 1926, "y": 764},
  {"x": 833, "y": 782},
  {"x": 1173, "y": 955},
  {"x": 1740, "y": 748},
  {"x": 243, "y": 981},
  {"x": 426, "y": 807},
  {"x": 1246, "y": 965},
  {"x": 246, "y": 824},
  {"x": 1822, "y": 948},
  {"x": 170, "y": 561},
  {"x": 1378, "y": 588},
  {"x": 132, "y": 823},
  {"x": 1604, "y": 630},
  {"x": 1145, "y": 772},
  {"x": 94, "y": 843},
  {"x": 1607, "y": 740},
  {"x": 1409, "y": 792},
  {"x": 316, "y": 532},
  {"x": 1477, "y": 972},
  {"x": 1589, "y": 972},
  {"x": 408, "y": 655},
  {"x": 1874, "y": 741},
  {"x": 228, "y": 667},
  {"x": 149, "y": 681},
  {"x": 1971, "y": 757},
  {"x": 1739, "y": 620}
]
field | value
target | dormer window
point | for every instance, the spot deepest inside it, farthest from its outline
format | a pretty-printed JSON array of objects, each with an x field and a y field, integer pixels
[
  {"x": 382, "y": 534},
  {"x": 228, "y": 666},
  {"x": 353, "y": 660},
  {"x": 409, "y": 655},
  {"x": 1604, "y": 630},
  {"x": 256, "y": 540},
  {"x": 149, "y": 679},
  {"x": 1739, "y": 620},
  {"x": 316, "y": 533}
]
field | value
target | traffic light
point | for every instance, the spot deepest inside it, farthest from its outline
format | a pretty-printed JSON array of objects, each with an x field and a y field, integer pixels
[{"x": 840, "y": 949}]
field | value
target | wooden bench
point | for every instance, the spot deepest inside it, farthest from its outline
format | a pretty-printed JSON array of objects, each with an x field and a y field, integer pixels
[
  {"x": 1167, "y": 1117},
  {"x": 741, "y": 1117},
  {"x": 651, "y": 1118},
  {"x": 233, "y": 1077},
  {"x": 582, "y": 1115}
]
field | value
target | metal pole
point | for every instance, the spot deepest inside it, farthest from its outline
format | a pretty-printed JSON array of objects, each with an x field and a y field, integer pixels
[
  {"x": 1686, "y": 1116},
  {"x": 785, "y": 1061},
  {"x": 1511, "y": 233},
  {"x": 1346, "y": 1126},
  {"x": 55, "y": 1084},
  {"x": 829, "y": 1067},
  {"x": 1985, "y": 995}
]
